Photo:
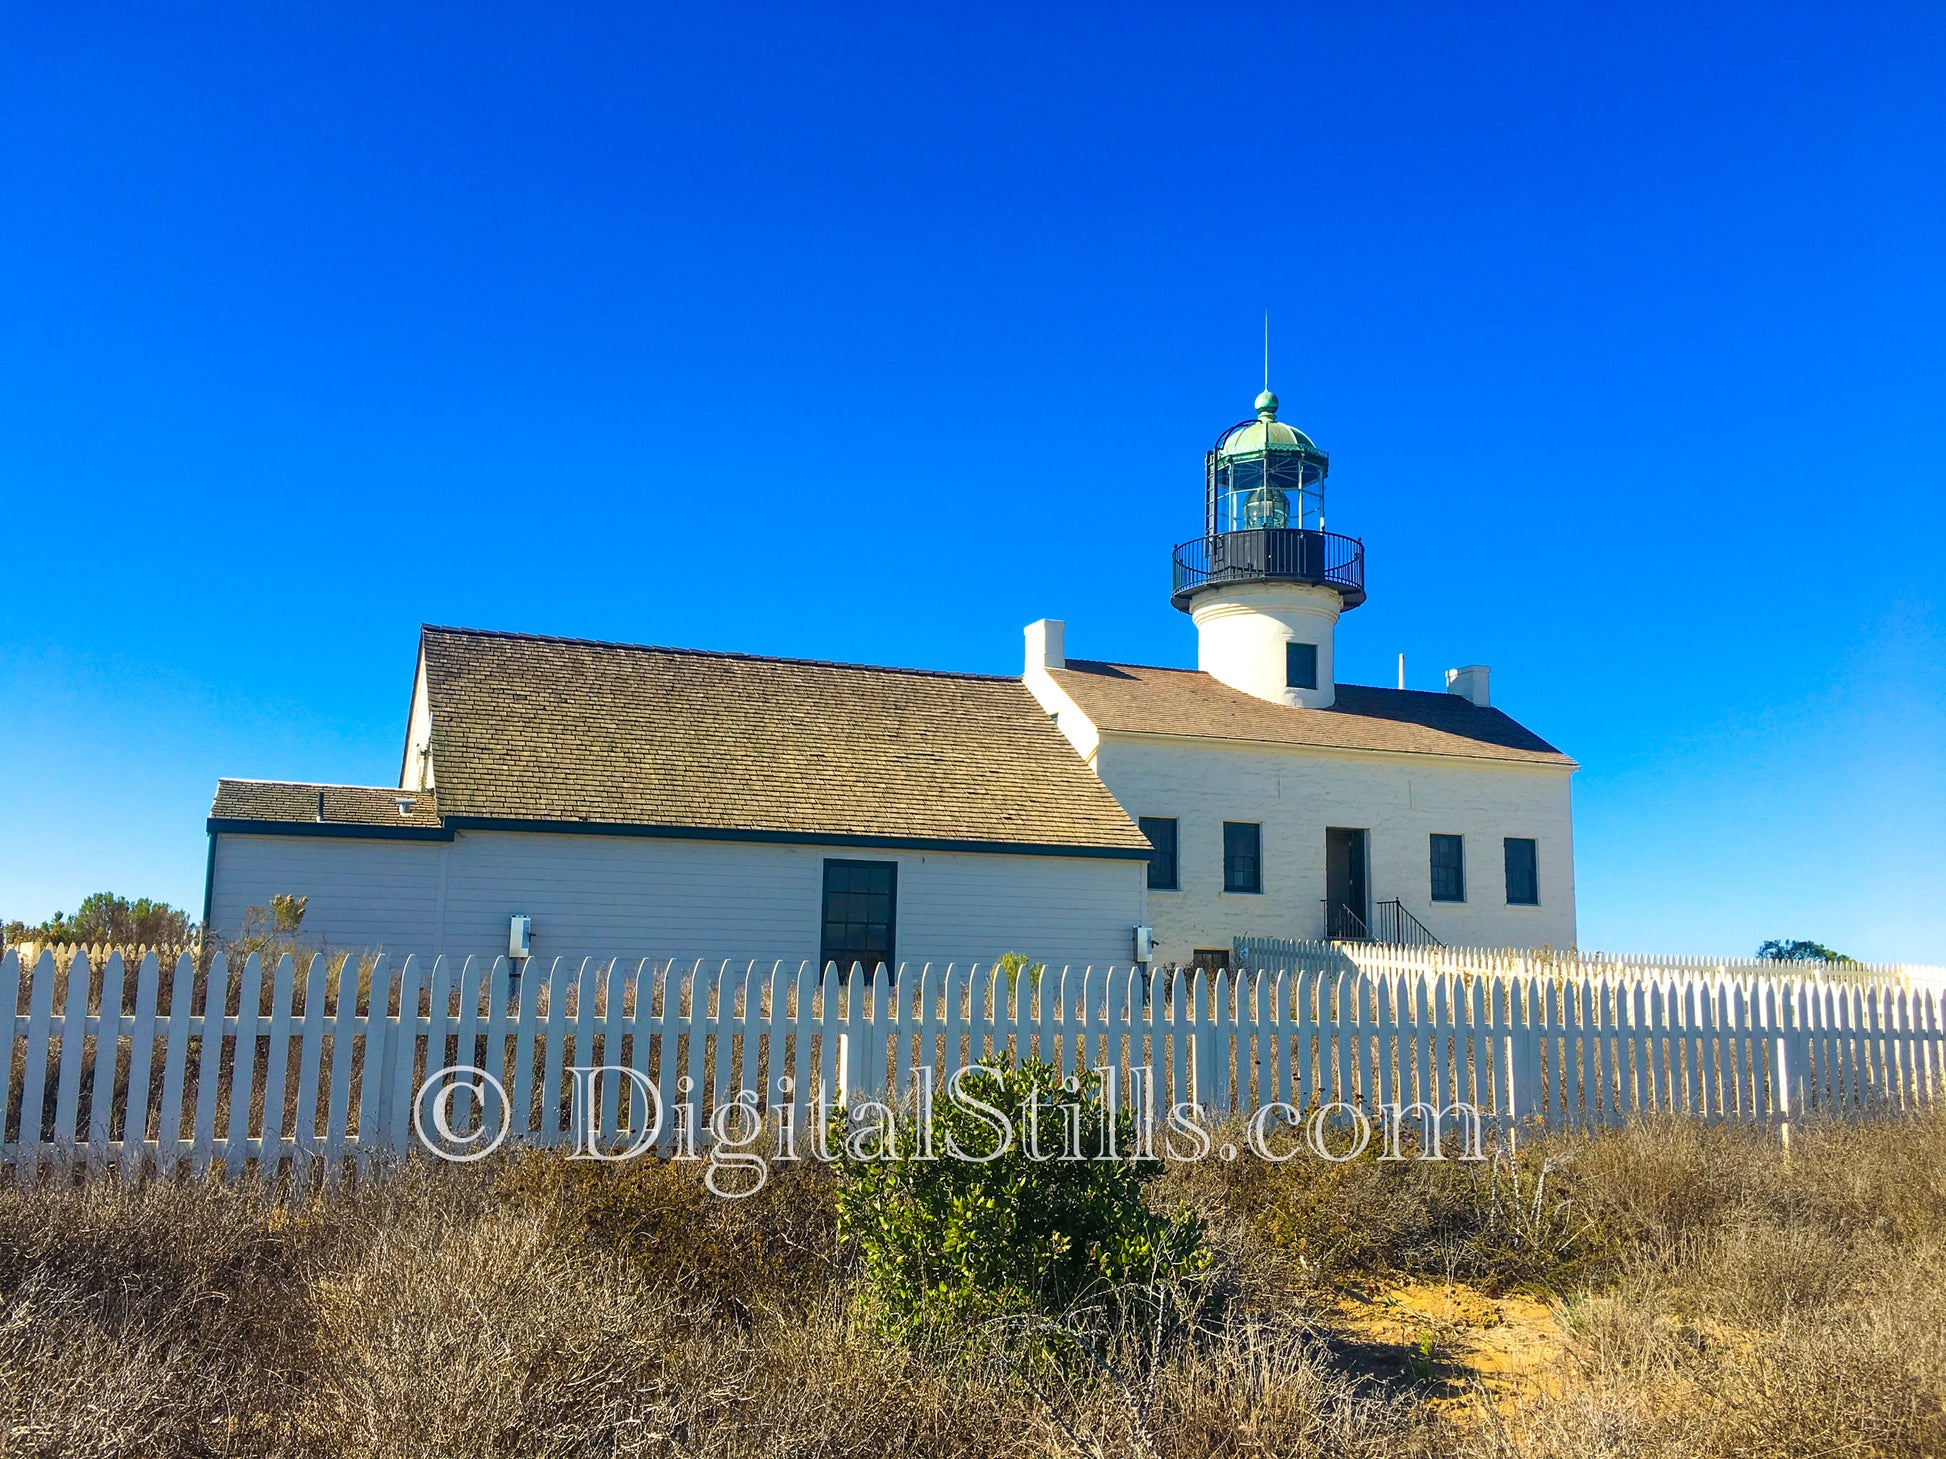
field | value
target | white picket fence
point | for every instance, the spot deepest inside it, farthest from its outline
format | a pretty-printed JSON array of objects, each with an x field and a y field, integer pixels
[
  {"x": 1255, "y": 952},
  {"x": 197, "y": 1073}
]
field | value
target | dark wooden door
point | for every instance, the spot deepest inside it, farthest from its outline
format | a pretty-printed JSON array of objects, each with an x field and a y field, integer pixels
[{"x": 1347, "y": 909}]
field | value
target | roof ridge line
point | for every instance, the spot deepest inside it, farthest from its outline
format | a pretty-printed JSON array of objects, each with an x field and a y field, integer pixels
[
  {"x": 712, "y": 653},
  {"x": 1429, "y": 693},
  {"x": 1119, "y": 664},
  {"x": 1339, "y": 684}
]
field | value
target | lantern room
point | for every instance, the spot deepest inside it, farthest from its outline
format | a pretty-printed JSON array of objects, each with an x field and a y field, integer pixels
[
  {"x": 1263, "y": 516},
  {"x": 1264, "y": 473}
]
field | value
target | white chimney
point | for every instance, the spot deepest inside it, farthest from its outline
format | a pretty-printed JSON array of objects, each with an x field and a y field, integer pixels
[
  {"x": 1470, "y": 683},
  {"x": 1047, "y": 644}
]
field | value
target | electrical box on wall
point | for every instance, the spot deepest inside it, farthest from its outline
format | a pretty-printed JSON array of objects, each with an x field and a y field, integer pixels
[
  {"x": 1144, "y": 944},
  {"x": 520, "y": 931}
]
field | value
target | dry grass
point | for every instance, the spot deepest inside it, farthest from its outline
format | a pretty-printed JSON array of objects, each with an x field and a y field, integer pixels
[{"x": 1711, "y": 1299}]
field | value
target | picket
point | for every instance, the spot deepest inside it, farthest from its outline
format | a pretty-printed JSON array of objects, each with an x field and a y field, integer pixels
[
  {"x": 439, "y": 1027},
  {"x": 10, "y": 1001},
  {"x": 722, "y": 1088},
  {"x": 613, "y": 1027},
  {"x": 74, "y": 1022},
  {"x": 1031, "y": 995},
  {"x": 216, "y": 999},
  {"x": 468, "y": 982},
  {"x": 693, "y": 1087},
  {"x": 500, "y": 993},
  {"x": 530, "y": 983},
  {"x": 175, "y": 1059},
  {"x": 927, "y": 1058},
  {"x": 398, "y": 1075},
  {"x": 642, "y": 1041},
  {"x": 141, "y": 1063},
  {"x": 310, "y": 1062},
  {"x": 560, "y": 978},
  {"x": 271, "y": 1152},
  {"x": 337, "y": 1099},
  {"x": 982, "y": 1005},
  {"x": 776, "y": 1045},
  {"x": 108, "y": 1043},
  {"x": 668, "y": 1036},
  {"x": 243, "y": 1064},
  {"x": 371, "y": 1075},
  {"x": 802, "y": 1037},
  {"x": 877, "y": 988}
]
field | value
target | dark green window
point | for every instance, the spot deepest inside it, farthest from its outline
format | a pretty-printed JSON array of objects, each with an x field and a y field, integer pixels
[
  {"x": 1161, "y": 831},
  {"x": 1243, "y": 867},
  {"x": 1301, "y": 665},
  {"x": 861, "y": 901},
  {"x": 1523, "y": 872},
  {"x": 1448, "y": 869}
]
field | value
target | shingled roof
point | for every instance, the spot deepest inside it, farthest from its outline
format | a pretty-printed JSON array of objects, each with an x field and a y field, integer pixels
[
  {"x": 1136, "y": 699},
  {"x": 531, "y": 729},
  {"x": 297, "y": 802}
]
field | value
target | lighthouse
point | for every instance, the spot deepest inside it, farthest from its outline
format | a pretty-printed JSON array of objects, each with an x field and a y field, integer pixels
[{"x": 1265, "y": 583}]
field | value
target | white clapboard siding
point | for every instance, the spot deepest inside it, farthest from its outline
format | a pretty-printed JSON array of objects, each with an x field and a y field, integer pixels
[{"x": 1564, "y": 1042}]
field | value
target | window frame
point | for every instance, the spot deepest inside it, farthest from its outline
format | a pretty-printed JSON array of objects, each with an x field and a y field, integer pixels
[
  {"x": 825, "y": 947},
  {"x": 1156, "y": 853},
  {"x": 1458, "y": 869},
  {"x": 1255, "y": 858},
  {"x": 1291, "y": 681},
  {"x": 1533, "y": 845}
]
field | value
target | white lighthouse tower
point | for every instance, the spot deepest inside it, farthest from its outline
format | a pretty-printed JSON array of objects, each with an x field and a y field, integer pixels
[{"x": 1265, "y": 583}]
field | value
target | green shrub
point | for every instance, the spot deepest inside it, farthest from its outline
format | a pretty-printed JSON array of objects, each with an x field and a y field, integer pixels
[{"x": 955, "y": 1249}]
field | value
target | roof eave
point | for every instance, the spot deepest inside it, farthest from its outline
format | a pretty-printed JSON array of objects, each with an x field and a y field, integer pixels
[
  {"x": 342, "y": 830},
  {"x": 795, "y": 836},
  {"x": 1561, "y": 762}
]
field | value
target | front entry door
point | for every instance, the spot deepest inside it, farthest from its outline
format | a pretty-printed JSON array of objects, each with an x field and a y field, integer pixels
[{"x": 1346, "y": 912}]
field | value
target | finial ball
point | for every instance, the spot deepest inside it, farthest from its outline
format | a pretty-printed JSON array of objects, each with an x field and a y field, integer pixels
[{"x": 1267, "y": 406}]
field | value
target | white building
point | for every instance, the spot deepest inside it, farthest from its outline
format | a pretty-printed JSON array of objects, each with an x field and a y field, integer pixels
[
  {"x": 647, "y": 802},
  {"x": 1282, "y": 804},
  {"x": 658, "y": 802}
]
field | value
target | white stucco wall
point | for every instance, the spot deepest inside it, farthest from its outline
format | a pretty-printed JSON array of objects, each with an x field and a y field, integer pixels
[
  {"x": 416, "y": 770},
  {"x": 1295, "y": 792},
  {"x": 652, "y": 897},
  {"x": 1242, "y": 630}
]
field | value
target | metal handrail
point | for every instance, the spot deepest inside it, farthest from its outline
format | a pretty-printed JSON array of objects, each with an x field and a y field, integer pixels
[
  {"x": 1394, "y": 924},
  {"x": 1390, "y": 923},
  {"x": 1343, "y": 924}
]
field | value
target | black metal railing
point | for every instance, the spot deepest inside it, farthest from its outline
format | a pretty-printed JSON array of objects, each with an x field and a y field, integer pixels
[
  {"x": 1271, "y": 554},
  {"x": 1392, "y": 923},
  {"x": 1343, "y": 924}
]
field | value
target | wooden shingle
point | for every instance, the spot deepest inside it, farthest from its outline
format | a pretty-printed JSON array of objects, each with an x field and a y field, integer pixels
[
  {"x": 294, "y": 802},
  {"x": 529, "y": 729},
  {"x": 1138, "y": 699}
]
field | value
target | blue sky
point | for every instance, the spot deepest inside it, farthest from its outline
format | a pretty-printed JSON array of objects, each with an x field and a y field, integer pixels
[{"x": 872, "y": 333}]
